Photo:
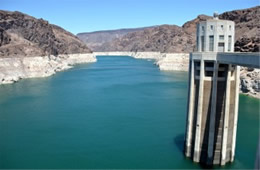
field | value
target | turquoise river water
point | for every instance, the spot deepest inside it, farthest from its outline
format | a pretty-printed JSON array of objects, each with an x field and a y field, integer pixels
[{"x": 119, "y": 112}]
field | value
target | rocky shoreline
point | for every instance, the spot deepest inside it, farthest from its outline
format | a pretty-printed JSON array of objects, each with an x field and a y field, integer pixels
[
  {"x": 250, "y": 82},
  {"x": 14, "y": 69}
]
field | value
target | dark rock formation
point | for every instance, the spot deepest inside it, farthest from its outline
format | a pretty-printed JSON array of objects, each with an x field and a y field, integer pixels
[
  {"x": 244, "y": 44},
  {"x": 4, "y": 38},
  {"x": 23, "y": 35}
]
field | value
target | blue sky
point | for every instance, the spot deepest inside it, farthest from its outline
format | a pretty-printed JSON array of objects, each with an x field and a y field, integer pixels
[{"x": 92, "y": 15}]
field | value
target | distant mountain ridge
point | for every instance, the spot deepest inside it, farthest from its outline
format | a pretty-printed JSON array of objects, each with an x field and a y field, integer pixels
[
  {"x": 95, "y": 39},
  {"x": 23, "y": 35},
  {"x": 172, "y": 38},
  {"x": 162, "y": 38}
]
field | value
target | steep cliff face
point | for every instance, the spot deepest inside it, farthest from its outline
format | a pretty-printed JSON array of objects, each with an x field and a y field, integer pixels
[
  {"x": 23, "y": 35},
  {"x": 171, "y": 38}
]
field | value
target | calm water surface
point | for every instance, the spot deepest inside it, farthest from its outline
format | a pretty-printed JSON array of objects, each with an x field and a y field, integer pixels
[{"x": 117, "y": 113}]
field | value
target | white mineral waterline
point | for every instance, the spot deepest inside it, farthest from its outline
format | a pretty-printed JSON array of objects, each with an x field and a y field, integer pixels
[
  {"x": 14, "y": 69},
  {"x": 165, "y": 61}
]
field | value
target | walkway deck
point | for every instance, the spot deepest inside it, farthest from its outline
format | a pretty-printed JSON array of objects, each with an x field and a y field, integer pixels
[{"x": 243, "y": 59}]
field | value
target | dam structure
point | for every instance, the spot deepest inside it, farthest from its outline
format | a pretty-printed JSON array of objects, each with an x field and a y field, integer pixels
[{"x": 213, "y": 99}]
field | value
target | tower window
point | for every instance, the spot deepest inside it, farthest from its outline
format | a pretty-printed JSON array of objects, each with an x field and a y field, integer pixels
[
  {"x": 202, "y": 43},
  {"x": 221, "y": 47},
  {"x": 202, "y": 28},
  {"x": 229, "y": 27},
  {"x": 229, "y": 42},
  {"x": 197, "y": 43},
  {"x": 211, "y": 43},
  {"x": 211, "y": 27},
  {"x": 208, "y": 68},
  {"x": 209, "y": 64},
  {"x": 221, "y": 74},
  {"x": 197, "y": 67},
  {"x": 221, "y": 37},
  {"x": 222, "y": 27}
]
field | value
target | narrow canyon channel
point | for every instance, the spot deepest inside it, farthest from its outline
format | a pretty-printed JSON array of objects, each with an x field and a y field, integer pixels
[{"x": 119, "y": 112}]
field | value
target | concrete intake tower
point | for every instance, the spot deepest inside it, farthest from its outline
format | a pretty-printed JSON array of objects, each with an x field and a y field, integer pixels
[{"x": 213, "y": 95}]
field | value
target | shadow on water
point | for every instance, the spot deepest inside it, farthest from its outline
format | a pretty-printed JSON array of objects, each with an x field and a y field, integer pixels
[{"x": 179, "y": 142}]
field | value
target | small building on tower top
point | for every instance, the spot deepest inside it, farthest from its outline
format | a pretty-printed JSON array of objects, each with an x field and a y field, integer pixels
[{"x": 215, "y": 35}]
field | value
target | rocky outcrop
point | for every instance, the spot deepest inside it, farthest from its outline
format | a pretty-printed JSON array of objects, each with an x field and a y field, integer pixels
[
  {"x": 250, "y": 82},
  {"x": 251, "y": 44},
  {"x": 22, "y": 35},
  {"x": 16, "y": 68}
]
